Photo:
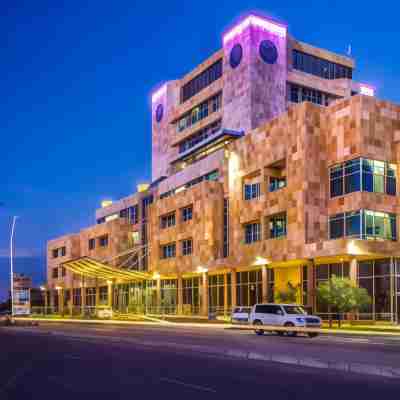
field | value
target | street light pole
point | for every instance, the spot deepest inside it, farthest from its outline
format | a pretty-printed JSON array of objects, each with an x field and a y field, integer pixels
[{"x": 12, "y": 263}]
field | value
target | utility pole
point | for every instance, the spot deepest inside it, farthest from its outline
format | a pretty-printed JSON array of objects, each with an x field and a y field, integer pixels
[{"x": 12, "y": 263}]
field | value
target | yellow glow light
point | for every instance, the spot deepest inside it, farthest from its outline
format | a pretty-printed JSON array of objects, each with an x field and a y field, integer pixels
[
  {"x": 156, "y": 275},
  {"x": 201, "y": 270},
  {"x": 106, "y": 203},
  {"x": 142, "y": 187},
  {"x": 58, "y": 287}
]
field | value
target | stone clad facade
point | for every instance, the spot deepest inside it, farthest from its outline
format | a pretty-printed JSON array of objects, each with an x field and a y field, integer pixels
[{"x": 244, "y": 197}]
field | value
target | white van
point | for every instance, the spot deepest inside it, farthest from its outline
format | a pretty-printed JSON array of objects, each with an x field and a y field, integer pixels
[{"x": 283, "y": 315}]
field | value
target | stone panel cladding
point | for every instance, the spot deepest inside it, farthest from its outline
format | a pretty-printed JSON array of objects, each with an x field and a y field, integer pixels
[
  {"x": 72, "y": 246},
  {"x": 205, "y": 229},
  {"x": 305, "y": 141}
]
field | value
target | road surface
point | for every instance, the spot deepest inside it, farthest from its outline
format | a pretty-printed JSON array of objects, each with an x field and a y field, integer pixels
[{"x": 59, "y": 361}]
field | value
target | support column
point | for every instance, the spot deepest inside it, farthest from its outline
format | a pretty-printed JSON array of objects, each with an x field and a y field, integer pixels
[
  {"x": 353, "y": 270},
  {"x": 311, "y": 298},
  {"x": 353, "y": 278},
  {"x": 61, "y": 301},
  {"x": 204, "y": 294},
  {"x": 158, "y": 292},
  {"x": 226, "y": 306},
  {"x": 52, "y": 304},
  {"x": 110, "y": 291},
  {"x": 83, "y": 296},
  {"x": 233, "y": 288},
  {"x": 264, "y": 283},
  {"x": 71, "y": 296},
  {"x": 180, "y": 295},
  {"x": 46, "y": 301},
  {"x": 97, "y": 303}
]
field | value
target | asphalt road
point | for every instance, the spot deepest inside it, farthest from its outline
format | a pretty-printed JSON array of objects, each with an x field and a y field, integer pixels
[{"x": 59, "y": 361}]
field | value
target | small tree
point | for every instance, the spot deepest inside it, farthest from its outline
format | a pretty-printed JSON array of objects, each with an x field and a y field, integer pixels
[
  {"x": 289, "y": 295},
  {"x": 342, "y": 295}
]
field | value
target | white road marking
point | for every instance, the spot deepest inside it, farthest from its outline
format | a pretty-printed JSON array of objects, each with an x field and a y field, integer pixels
[{"x": 189, "y": 385}]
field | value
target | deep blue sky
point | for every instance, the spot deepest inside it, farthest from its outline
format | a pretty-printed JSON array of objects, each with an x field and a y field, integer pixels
[{"x": 75, "y": 81}]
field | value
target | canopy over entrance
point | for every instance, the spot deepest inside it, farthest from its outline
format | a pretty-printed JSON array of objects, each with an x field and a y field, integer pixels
[{"x": 91, "y": 268}]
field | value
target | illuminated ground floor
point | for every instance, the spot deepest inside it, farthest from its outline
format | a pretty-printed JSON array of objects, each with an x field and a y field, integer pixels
[{"x": 211, "y": 294}]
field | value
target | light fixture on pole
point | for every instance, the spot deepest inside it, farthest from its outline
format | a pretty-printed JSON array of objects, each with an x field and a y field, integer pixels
[{"x": 12, "y": 263}]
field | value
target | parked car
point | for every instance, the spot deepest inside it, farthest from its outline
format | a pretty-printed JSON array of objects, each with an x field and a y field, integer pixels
[
  {"x": 240, "y": 315},
  {"x": 286, "y": 315}
]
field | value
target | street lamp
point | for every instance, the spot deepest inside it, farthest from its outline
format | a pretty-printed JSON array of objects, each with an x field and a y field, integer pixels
[{"x": 12, "y": 263}]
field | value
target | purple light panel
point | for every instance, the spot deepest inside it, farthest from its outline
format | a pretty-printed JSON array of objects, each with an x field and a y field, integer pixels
[
  {"x": 367, "y": 90},
  {"x": 252, "y": 20},
  {"x": 159, "y": 93}
]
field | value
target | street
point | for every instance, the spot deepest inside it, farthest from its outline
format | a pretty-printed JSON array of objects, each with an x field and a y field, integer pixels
[{"x": 60, "y": 360}]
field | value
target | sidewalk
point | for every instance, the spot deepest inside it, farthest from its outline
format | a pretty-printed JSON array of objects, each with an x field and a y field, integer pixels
[{"x": 360, "y": 330}]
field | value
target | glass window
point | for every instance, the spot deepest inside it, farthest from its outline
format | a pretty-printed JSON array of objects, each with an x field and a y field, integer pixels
[
  {"x": 103, "y": 241},
  {"x": 252, "y": 232},
  {"x": 92, "y": 243},
  {"x": 168, "y": 251},
  {"x": 55, "y": 273},
  {"x": 277, "y": 226},
  {"x": 252, "y": 191},
  {"x": 187, "y": 213},
  {"x": 374, "y": 176},
  {"x": 166, "y": 221},
  {"x": 55, "y": 253},
  {"x": 201, "y": 81},
  {"x": 276, "y": 183},
  {"x": 336, "y": 226},
  {"x": 187, "y": 247},
  {"x": 317, "y": 66},
  {"x": 353, "y": 224},
  {"x": 63, "y": 251}
]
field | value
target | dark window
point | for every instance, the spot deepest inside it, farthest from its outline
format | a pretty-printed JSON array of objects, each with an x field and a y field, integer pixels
[
  {"x": 63, "y": 251},
  {"x": 187, "y": 247},
  {"x": 134, "y": 214},
  {"x": 92, "y": 243},
  {"x": 320, "y": 67},
  {"x": 252, "y": 191},
  {"x": 168, "y": 251},
  {"x": 252, "y": 232},
  {"x": 363, "y": 224},
  {"x": 187, "y": 213},
  {"x": 277, "y": 226},
  {"x": 101, "y": 220},
  {"x": 103, "y": 241},
  {"x": 200, "y": 136},
  {"x": 336, "y": 226},
  {"x": 166, "y": 221},
  {"x": 268, "y": 52},
  {"x": 55, "y": 253},
  {"x": 268, "y": 309},
  {"x": 199, "y": 112},
  {"x": 276, "y": 183},
  {"x": 55, "y": 273},
  {"x": 201, "y": 81},
  {"x": 249, "y": 287},
  {"x": 363, "y": 174},
  {"x": 63, "y": 271},
  {"x": 298, "y": 94},
  {"x": 235, "y": 56}
]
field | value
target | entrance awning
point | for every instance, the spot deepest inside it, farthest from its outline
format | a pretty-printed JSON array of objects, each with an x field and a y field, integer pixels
[{"x": 90, "y": 268}]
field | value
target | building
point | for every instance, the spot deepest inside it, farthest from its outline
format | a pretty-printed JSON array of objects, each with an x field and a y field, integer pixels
[{"x": 270, "y": 165}]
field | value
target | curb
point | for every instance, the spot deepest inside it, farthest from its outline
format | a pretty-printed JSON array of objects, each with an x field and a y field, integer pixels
[{"x": 353, "y": 367}]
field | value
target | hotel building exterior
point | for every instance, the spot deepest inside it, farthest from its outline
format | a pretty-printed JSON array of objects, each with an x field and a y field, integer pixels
[{"x": 270, "y": 165}]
